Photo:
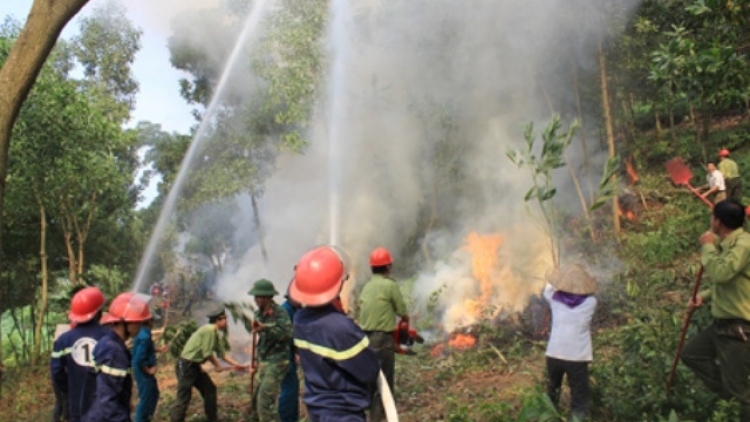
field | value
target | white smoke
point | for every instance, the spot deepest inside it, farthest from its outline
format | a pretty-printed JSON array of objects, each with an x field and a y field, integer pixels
[{"x": 459, "y": 78}]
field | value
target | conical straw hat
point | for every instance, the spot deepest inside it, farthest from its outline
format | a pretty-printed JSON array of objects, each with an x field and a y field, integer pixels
[{"x": 573, "y": 279}]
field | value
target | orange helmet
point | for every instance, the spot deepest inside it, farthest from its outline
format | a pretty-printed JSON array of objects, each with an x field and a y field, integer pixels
[
  {"x": 724, "y": 153},
  {"x": 318, "y": 277},
  {"x": 128, "y": 307},
  {"x": 85, "y": 304},
  {"x": 380, "y": 257}
]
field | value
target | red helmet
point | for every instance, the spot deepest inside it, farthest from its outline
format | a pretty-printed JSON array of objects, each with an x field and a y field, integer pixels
[
  {"x": 318, "y": 277},
  {"x": 380, "y": 257},
  {"x": 128, "y": 307},
  {"x": 724, "y": 153},
  {"x": 85, "y": 304}
]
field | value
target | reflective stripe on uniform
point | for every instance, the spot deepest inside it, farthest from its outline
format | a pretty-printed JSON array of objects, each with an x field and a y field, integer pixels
[
  {"x": 334, "y": 354},
  {"x": 115, "y": 372},
  {"x": 61, "y": 353}
]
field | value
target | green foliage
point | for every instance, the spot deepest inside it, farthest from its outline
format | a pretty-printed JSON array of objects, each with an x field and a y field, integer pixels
[
  {"x": 607, "y": 188},
  {"x": 177, "y": 335},
  {"x": 551, "y": 157}
]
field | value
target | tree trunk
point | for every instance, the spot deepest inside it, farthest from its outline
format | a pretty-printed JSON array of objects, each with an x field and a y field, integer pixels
[
  {"x": 259, "y": 228},
  {"x": 582, "y": 132},
  {"x": 610, "y": 134},
  {"x": 71, "y": 257},
  {"x": 43, "y": 303},
  {"x": 657, "y": 123},
  {"x": 25, "y": 60}
]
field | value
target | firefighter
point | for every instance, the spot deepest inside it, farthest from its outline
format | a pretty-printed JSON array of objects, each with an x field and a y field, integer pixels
[
  {"x": 205, "y": 344},
  {"x": 380, "y": 303},
  {"x": 729, "y": 169},
  {"x": 114, "y": 383},
  {"x": 274, "y": 330},
  {"x": 340, "y": 368},
  {"x": 71, "y": 366},
  {"x": 289, "y": 397},
  {"x": 144, "y": 370}
]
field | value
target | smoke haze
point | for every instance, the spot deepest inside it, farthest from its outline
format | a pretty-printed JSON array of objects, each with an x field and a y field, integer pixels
[{"x": 435, "y": 93}]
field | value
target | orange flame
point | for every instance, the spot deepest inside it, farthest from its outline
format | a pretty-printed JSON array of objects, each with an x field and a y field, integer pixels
[
  {"x": 462, "y": 341},
  {"x": 484, "y": 268},
  {"x": 632, "y": 175},
  {"x": 629, "y": 214},
  {"x": 437, "y": 350}
]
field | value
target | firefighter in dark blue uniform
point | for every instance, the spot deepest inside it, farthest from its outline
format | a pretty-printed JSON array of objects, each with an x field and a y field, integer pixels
[
  {"x": 339, "y": 366},
  {"x": 114, "y": 383},
  {"x": 71, "y": 366}
]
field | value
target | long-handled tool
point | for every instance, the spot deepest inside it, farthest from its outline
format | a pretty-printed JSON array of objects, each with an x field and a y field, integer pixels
[
  {"x": 685, "y": 326},
  {"x": 253, "y": 365},
  {"x": 680, "y": 174}
]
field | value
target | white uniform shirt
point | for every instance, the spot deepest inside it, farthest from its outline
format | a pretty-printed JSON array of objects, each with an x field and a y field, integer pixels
[
  {"x": 570, "y": 338},
  {"x": 716, "y": 179}
]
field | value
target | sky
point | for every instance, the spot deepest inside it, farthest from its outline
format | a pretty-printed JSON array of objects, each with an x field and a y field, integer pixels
[{"x": 158, "y": 99}]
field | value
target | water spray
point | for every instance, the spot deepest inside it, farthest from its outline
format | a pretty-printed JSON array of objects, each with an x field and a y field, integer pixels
[
  {"x": 339, "y": 48},
  {"x": 251, "y": 24}
]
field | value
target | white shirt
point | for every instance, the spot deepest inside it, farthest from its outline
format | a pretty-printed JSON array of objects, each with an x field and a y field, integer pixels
[
  {"x": 716, "y": 179},
  {"x": 570, "y": 338}
]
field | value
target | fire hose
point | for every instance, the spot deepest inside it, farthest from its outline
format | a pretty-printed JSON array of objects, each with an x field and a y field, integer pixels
[
  {"x": 685, "y": 326},
  {"x": 391, "y": 414}
]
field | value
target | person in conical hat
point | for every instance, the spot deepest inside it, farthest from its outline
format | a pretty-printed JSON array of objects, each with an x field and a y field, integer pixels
[{"x": 570, "y": 293}]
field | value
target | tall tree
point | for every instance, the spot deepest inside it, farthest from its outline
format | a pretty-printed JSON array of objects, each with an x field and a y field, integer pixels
[
  {"x": 21, "y": 67},
  {"x": 106, "y": 47}
]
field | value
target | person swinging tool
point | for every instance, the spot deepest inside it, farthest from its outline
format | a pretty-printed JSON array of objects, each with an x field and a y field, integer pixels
[
  {"x": 380, "y": 303},
  {"x": 205, "y": 344},
  {"x": 340, "y": 368},
  {"x": 274, "y": 330}
]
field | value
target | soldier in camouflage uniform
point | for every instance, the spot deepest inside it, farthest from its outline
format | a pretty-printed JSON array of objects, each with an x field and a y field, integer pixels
[{"x": 274, "y": 330}]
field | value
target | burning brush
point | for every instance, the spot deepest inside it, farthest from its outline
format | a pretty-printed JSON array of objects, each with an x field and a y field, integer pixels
[{"x": 460, "y": 340}]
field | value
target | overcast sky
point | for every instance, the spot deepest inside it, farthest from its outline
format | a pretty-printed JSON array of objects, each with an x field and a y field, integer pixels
[{"x": 158, "y": 100}]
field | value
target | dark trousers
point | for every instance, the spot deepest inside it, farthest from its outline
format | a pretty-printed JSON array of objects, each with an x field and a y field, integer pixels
[
  {"x": 734, "y": 188},
  {"x": 60, "y": 411},
  {"x": 326, "y": 415},
  {"x": 385, "y": 348},
  {"x": 189, "y": 375},
  {"x": 289, "y": 398},
  {"x": 148, "y": 396},
  {"x": 721, "y": 359},
  {"x": 578, "y": 380}
]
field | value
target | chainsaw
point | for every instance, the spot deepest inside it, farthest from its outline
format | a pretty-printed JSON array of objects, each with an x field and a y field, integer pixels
[{"x": 405, "y": 338}]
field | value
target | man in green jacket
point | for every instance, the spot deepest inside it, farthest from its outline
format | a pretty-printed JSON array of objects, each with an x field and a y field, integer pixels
[
  {"x": 272, "y": 352},
  {"x": 720, "y": 354},
  {"x": 379, "y": 305},
  {"x": 731, "y": 172},
  {"x": 206, "y": 344}
]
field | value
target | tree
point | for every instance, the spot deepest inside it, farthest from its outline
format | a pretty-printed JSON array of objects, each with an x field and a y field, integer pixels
[
  {"x": 106, "y": 47},
  {"x": 21, "y": 67}
]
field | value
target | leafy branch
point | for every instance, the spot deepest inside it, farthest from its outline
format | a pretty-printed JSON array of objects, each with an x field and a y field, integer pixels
[{"x": 551, "y": 157}]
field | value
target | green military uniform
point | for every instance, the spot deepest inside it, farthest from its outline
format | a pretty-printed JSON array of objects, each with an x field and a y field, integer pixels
[
  {"x": 380, "y": 303},
  {"x": 720, "y": 354},
  {"x": 273, "y": 349},
  {"x": 731, "y": 173},
  {"x": 204, "y": 342}
]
